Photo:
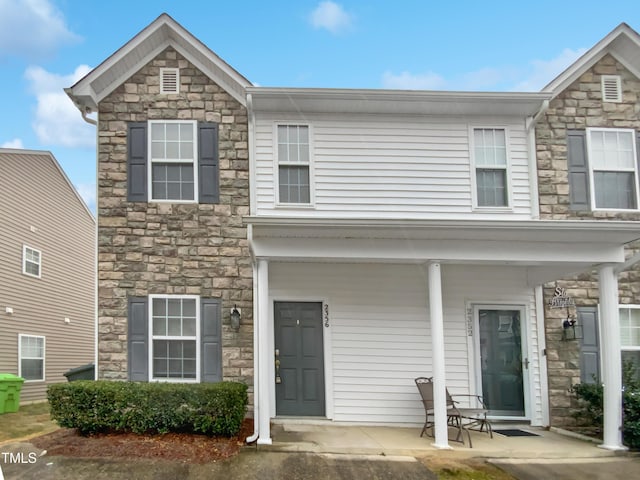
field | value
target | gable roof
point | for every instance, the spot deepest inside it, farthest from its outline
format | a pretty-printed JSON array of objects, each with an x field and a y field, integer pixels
[
  {"x": 623, "y": 43},
  {"x": 163, "y": 32},
  {"x": 35, "y": 156}
]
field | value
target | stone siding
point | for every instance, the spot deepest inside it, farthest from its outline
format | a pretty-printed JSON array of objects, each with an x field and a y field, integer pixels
[
  {"x": 579, "y": 106},
  {"x": 163, "y": 248}
]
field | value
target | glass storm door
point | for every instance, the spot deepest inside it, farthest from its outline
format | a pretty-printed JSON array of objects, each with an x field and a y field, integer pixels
[{"x": 501, "y": 361}]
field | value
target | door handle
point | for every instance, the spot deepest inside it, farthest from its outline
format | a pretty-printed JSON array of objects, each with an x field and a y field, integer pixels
[
  {"x": 278, "y": 379},
  {"x": 526, "y": 364}
]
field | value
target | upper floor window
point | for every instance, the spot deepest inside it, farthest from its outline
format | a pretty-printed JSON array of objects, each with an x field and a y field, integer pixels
[
  {"x": 490, "y": 162},
  {"x": 614, "y": 172},
  {"x": 31, "y": 261},
  {"x": 293, "y": 164},
  {"x": 31, "y": 361},
  {"x": 173, "y": 161}
]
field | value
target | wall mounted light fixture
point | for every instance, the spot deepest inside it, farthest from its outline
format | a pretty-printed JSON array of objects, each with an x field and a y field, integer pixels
[
  {"x": 235, "y": 318},
  {"x": 9, "y": 311}
]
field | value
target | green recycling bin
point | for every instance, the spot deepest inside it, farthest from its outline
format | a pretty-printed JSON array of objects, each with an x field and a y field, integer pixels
[{"x": 10, "y": 386}]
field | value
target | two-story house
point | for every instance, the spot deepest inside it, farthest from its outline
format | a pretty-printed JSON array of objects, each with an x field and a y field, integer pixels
[
  {"x": 367, "y": 237},
  {"x": 588, "y": 154},
  {"x": 47, "y": 272}
]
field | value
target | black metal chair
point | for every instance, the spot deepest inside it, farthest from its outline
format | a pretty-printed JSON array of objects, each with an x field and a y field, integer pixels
[{"x": 463, "y": 419}]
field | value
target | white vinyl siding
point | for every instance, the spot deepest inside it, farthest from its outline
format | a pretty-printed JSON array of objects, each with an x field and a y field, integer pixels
[
  {"x": 380, "y": 335},
  {"x": 31, "y": 350},
  {"x": 398, "y": 167},
  {"x": 31, "y": 261}
]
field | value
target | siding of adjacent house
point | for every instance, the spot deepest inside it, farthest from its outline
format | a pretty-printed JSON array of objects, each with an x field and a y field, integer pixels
[
  {"x": 40, "y": 210},
  {"x": 379, "y": 331},
  {"x": 399, "y": 167}
]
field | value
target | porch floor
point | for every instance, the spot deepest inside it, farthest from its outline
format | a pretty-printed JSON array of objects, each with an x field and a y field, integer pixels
[{"x": 298, "y": 436}]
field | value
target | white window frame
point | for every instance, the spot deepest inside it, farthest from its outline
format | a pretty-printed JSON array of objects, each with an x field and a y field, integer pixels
[
  {"x": 176, "y": 71},
  {"x": 622, "y": 347},
  {"x": 153, "y": 337},
  {"x": 24, "y": 261},
  {"x": 44, "y": 355},
  {"x": 472, "y": 155},
  {"x": 277, "y": 164},
  {"x": 151, "y": 161},
  {"x": 592, "y": 182}
]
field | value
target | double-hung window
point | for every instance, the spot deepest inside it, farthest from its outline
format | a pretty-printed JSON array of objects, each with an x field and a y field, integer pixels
[
  {"x": 491, "y": 162},
  {"x": 173, "y": 165},
  {"x": 614, "y": 171},
  {"x": 630, "y": 335},
  {"x": 293, "y": 164},
  {"x": 31, "y": 261},
  {"x": 31, "y": 361},
  {"x": 174, "y": 338}
]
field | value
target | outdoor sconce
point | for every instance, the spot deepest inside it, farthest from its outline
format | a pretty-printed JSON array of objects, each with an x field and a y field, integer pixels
[
  {"x": 570, "y": 329},
  {"x": 9, "y": 311},
  {"x": 235, "y": 318}
]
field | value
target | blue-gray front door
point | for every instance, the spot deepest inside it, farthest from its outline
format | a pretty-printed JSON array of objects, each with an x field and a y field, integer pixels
[{"x": 299, "y": 359}]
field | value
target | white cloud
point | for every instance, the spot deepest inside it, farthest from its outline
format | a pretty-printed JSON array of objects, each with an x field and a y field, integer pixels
[
  {"x": 32, "y": 28},
  {"x": 411, "y": 81},
  {"x": 88, "y": 193},
  {"x": 57, "y": 121},
  {"x": 15, "y": 143},
  {"x": 543, "y": 71},
  {"x": 330, "y": 16}
]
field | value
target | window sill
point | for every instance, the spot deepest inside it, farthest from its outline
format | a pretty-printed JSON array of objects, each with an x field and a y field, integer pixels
[
  {"x": 294, "y": 206},
  {"x": 493, "y": 209},
  {"x": 31, "y": 275}
]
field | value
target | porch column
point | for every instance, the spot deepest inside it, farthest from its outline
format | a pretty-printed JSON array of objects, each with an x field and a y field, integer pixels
[
  {"x": 437, "y": 341},
  {"x": 262, "y": 375},
  {"x": 611, "y": 363}
]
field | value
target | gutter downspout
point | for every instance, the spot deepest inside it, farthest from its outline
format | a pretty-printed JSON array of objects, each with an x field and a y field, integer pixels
[
  {"x": 531, "y": 148},
  {"x": 256, "y": 334},
  {"x": 84, "y": 111}
]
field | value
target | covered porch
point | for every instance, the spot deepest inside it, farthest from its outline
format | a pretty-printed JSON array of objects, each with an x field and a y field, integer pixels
[{"x": 397, "y": 300}]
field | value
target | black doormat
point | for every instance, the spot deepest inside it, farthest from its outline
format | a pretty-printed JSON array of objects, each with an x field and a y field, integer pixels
[{"x": 515, "y": 432}]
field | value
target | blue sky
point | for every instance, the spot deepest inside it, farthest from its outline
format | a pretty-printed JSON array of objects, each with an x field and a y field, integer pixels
[{"x": 46, "y": 45}]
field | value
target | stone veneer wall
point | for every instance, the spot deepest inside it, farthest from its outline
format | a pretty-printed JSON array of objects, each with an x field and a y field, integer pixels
[
  {"x": 161, "y": 248},
  {"x": 579, "y": 106}
]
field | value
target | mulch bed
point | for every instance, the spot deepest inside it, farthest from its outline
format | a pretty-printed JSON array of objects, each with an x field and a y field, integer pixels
[{"x": 182, "y": 447}]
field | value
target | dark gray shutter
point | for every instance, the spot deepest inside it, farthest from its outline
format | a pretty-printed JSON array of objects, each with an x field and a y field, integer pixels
[
  {"x": 578, "y": 170},
  {"x": 210, "y": 340},
  {"x": 208, "y": 167},
  {"x": 137, "y": 162},
  {"x": 589, "y": 346},
  {"x": 138, "y": 339}
]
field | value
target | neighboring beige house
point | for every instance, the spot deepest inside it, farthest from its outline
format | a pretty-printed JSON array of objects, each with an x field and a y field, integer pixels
[
  {"x": 47, "y": 272},
  {"x": 588, "y": 144}
]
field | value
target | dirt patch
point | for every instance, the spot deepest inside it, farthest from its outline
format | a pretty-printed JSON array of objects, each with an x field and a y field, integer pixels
[
  {"x": 180, "y": 447},
  {"x": 464, "y": 469}
]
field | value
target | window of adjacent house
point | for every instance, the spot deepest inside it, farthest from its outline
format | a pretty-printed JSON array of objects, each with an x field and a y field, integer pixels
[
  {"x": 612, "y": 161},
  {"x": 31, "y": 261},
  {"x": 611, "y": 88},
  {"x": 173, "y": 166},
  {"x": 174, "y": 338},
  {"x": 169, "y": 80},
  {"x": 31, "y": 361},
  {"x": 490, "y": 158},
  {"x": 293, "y": 164},
  {"x": 630, "y": 336}
]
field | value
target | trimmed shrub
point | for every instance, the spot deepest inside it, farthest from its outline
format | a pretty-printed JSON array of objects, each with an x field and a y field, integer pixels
[{"x": 106, "y": 406}]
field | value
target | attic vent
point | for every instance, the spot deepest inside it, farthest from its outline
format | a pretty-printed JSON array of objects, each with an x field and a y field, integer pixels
[
  {"x": 169, "y": 80},
  {"x": 611, "y": 88}
]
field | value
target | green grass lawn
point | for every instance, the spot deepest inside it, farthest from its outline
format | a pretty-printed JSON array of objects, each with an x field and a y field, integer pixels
[{"x": 29, "y": 420}]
